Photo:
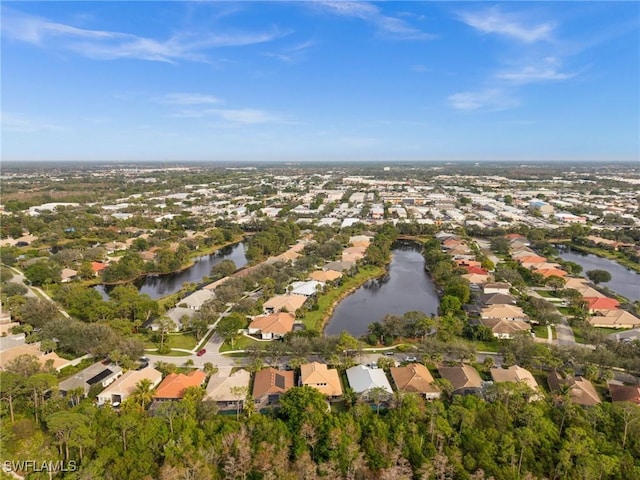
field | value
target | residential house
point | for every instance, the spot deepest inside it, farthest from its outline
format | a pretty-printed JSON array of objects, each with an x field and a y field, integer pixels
[
  {"x": 464, "y": 378},
  {"x": 68, "y": 274},
  {"x": 497, "y": 299},
  {"x": 363, "y": 379},
  {"x": 321, "y": 377},
  {"x": 496, "y": 287},
  {"x": 476, "y": 279},
  {"x": 507, "y": 312},
  {"x": 624, "y": 393},
  {"x": 615, "y": 319},
  {"x": 551, "y": 272},
  {"x": 353, "y": 254},
  {"x": 325, "y": 276},
  {"x": 576, "y": 283},
  {"x": 196, "y": 299},
  {"x": 33, "y": 349},
  {"x": 308, "y": 289},
  {"x": 175, "y": 384},
  {"x": 275, "y": 325},
  {"x": 339, "y": 266},
  {"x": 98, "y": 267},
  {"x": 270, "y": 383},
  {"x": 505, "y": 329},
  {"x": 290, "y": 303},
  {"x": 228, "y": 390},
  {"x": 581, "y": 390},
  {"x": 601, "y": 304},
  {"x": 517, "y": 374},
  {"x": 125, "y": 386},
  {"x": 415, "y": 378},
  {"x": 97, "y": 374}
]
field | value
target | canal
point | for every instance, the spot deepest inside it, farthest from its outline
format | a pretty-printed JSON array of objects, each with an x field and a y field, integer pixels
[
  {"x": 406, "y": 287},
  {"x": 162, "y": 285},
  {"x": 624, "y": 282}
]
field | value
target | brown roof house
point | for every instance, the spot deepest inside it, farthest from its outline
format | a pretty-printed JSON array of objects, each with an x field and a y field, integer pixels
[
  {"x": 269, "y": 327},
  {"x": 289, "y": 303},
  {"x": 581, "y": 390},
  {"x": 615, "y": 319},
  {"x": 228, "y": 390},
  {"x": 269, "y": 384},
  {"x": 325, "y": 379},
  {"x": 517, "y": 374},
  {"x": 415, "y": 378},
  {"x": 325, "y": 275},
  {"x": 507, "y": 312},
  {"x": 174, "y": 385},
  {"x": 124, "y": 386},
  {"x": 624, "y": 393},
  {"x": 505, "y": 329},
  {"x": 464, "y": 378}
]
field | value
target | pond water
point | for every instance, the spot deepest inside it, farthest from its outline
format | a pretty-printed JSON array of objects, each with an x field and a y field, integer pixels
[
  {"x": 623, "y": 281},
  {"x": 163, "y": 285},
  {"x": 406, "y": 287}
]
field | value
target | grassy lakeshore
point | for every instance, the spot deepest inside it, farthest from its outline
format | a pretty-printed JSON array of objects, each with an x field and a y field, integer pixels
[
  {"x": 316, "y": 319},
  {"x": 615, "y": 256}
]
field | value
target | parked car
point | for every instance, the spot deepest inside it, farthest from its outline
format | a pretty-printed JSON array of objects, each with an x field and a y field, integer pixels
[
  {"x": 202, "y": 352},
  {"x": 410, "y": 359},
  {"x": 389, "y": 352}
]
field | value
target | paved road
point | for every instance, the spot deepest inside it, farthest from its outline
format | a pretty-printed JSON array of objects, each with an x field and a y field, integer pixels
[{"x": 564, "y": 333}]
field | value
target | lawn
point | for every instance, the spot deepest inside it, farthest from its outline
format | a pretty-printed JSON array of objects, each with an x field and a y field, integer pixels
[
  {"x": 541, "y": 331},
  {"x": 314, "y": 319},
  {"x": 176, "y": 340},
  {"x": 240, "y": 344},
  {"x": 486, "y": 346},
  {"x": 545, "y": 293}
]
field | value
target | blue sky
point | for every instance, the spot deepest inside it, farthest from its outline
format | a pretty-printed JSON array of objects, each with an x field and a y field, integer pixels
[{"x": 320, "y": 80}]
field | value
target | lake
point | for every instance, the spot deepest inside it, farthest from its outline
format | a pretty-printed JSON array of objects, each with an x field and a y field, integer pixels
[
  {"x": 405, "y": 288},
  {"x": 162, "y": 285},
  {"x": 623, "y": 281}
]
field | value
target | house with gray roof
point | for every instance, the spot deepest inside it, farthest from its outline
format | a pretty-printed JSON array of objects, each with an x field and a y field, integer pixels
[
  {"x": 363, "y": 379},
  {"x": 96, "y": 374}
]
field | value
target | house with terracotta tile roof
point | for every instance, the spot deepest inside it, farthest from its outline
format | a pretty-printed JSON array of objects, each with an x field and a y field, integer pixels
[
  {"x": 531, "y": 260},
  {"x": 581, "y": 390},
  {"x": 476, "y": 270},
  {"x": 415, "y": 378},
  {"x": 98, "y": 267},
  {"x": 269, "y": 384},
  {"x": 321, "y": 377},
  {"x": 551, "y": 272},
  {"x": 275, "y": 325},
  {"x": 175, "y": 384},
  {"x": 599, "y": 304},
  {"x": 464, "y": 378}
]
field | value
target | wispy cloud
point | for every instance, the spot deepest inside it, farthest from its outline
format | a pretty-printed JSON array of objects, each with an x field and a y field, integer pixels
[
  {"x": 187, "y": 99},
  {"x": 514, "y": 26},
  {"x": 109, "y": 45},
  {"x": 22, "y": 124},
  {"x": 490, "y": 99},
  {"x": 294, "y": 53},
  {"x": 548, "y": 71},
  {"x": 237, "y": 116},
  {"x": 391, "y": 26}
]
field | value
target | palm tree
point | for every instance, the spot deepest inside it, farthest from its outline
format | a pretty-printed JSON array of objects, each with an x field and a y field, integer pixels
[
  {"x": 143, "y": 392},
  {"x": 377, "y": 395}
]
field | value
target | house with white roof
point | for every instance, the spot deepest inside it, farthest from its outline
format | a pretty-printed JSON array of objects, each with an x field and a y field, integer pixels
[
  {"x": 363, "y": 379},
  {"x": 125, "y": 386}
]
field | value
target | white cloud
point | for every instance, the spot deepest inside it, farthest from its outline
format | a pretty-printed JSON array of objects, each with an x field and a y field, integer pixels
[
  {"x": 188, "y": 99},
  {"x": 368, "y": 12},
  {"x": 107, "y": 45},
  {"x": 493, "y": 20},
  {"x": 545, "y": 71},
  {"x": 491, "y": 99},
  {"x": 22, "y": 124},
  {"x": 239, "y": 116}
]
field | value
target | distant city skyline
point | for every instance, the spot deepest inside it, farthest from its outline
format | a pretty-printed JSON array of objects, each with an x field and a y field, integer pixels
[{"x": 320, "y": 80}]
